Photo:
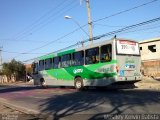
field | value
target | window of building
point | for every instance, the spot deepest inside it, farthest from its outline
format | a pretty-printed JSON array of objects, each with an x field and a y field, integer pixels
[
  {"x": 66, "y": 60},
  {"x": 78, "y": 58},
  {"x": 57, "y": 62},
  {"x": 48, "y": 63},
  {"x": 140, "y": 48},
  {"x": 106, "y": 53},
  {"x": 92, "y": 56},
  {"x": 152, "y": 48},
  {"x": 41, "y": 65}
]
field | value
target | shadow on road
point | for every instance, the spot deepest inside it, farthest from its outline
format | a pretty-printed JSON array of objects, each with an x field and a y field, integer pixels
[
  {"x": 72, "y": 104},
  {"x": 93, "y": 104},
  {"x": 9, "y": 89}
]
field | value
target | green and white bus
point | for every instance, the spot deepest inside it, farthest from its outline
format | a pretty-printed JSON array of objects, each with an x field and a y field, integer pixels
[{"x": 110, "y": 62}]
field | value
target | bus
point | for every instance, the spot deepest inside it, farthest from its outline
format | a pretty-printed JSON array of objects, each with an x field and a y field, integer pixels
[{"x": 110, "y": 62}]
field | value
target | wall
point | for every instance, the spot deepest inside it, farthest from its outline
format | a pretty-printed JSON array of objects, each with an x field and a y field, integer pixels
[
  {"x": 4, "y": 79},
  {"x": 150, "y": 60},
  {"x": 146, "y": 54}
]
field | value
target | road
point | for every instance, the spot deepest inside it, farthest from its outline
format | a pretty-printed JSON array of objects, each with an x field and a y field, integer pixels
[{"x": 68, "y": 103}]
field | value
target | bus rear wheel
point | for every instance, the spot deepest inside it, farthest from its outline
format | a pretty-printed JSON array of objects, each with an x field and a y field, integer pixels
[
  {"x": 42, "y": 83},
  {"x": 78, "y": 83}
]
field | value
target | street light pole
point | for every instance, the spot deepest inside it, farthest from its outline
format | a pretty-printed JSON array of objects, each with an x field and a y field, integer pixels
[
  {"x": 1, "y": 58},
  {"x": 69, "y": 17}
]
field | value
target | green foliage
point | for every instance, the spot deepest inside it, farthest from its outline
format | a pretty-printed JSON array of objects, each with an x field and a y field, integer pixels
[
  {"x": 15, "y": 68},
  {"x": 1, "y": 73}
]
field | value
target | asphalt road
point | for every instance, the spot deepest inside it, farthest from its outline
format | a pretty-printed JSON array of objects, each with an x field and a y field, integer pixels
[{"x": 91, "y": 104}]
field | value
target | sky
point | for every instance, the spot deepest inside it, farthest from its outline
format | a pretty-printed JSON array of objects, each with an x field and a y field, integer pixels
[{"x": 32, "y": 28}]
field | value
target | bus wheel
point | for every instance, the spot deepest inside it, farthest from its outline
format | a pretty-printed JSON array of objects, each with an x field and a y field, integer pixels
[
  {"x": 42, "y": 83},
  {"x": 78, "y": 83}
]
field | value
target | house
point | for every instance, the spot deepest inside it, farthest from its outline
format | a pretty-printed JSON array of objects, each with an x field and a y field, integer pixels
[{"x": 150, "y": 56}]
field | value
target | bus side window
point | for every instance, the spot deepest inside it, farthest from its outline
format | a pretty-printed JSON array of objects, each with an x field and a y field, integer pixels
[
  {"x": 66, "y": 60},
  {"x": 78, "y": 58},
  {"x": 92, "y": 56},
  {"x": 41, "y": 65},
  {"x": 106, "y": 53},
  {"x": 48, "y": 64},
  {"x": 52, "y": 63},
  {"x": 45, "y": 64},
  {"x": 57, "y": 62}
]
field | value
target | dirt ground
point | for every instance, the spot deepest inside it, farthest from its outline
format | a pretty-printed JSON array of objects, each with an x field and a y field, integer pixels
[{"x": 148, "y": 83}]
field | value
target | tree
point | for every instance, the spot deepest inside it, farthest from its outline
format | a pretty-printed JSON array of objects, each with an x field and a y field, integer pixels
[{"x": 14, "y": 68}]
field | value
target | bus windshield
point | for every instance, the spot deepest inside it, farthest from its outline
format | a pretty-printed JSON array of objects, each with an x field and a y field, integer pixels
[{"x": 127, "y": 47}]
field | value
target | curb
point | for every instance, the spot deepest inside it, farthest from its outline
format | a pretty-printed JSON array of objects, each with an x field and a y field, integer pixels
[
  {"x": 18, "y": 108},
  {"x": 35, "y": 114}
]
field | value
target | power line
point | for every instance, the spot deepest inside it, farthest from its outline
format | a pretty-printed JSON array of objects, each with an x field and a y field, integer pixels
[
  {"x": 26, "y": 40},
  {"x": 100, "y": 18},
  {"x": 34, "y": 24},
  {"x": 54, "y": 40},
  {"x": 94, "y": 21},
  {"x": 143, "y": 29},
  {"x": 109, "y": 34},
  {"x": 114, "y": 26},
  {"x": 127, "y": 28},
  {"x": 51, "y": 20},
  {"x": 41, "y": 24},
  {"x": 127, "y": 10},
  {"x": 114, "y": 32},
  {"x": 104, "y": 25},
  {"x": 81, "y": 43},
  {"x": 51, "y": 42},
  {"x": 71, "y": 46},
  {"x": 0, "y": 58},
  {"x": 29, "y": 40},
  {"x": 21, "y": 52},
  {"x": 121, "y": 12},
  {"x": 39, "y": 19}
]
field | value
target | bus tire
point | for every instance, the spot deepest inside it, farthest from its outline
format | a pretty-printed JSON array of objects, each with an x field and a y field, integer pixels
[
  {"x": 78, "y": 83},
  {"x": 42, "y": 83}
]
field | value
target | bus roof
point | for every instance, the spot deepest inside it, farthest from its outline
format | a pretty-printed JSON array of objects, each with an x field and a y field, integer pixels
[
  {"x": 46, "y": 56},
  {"x": 66, "y": 52},
  {"x": 51, "y": 55}
]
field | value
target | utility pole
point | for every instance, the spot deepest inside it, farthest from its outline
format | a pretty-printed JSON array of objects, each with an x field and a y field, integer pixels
[
  {"x": 1, "y": 58},
  {"x": 89, "y": 21}
]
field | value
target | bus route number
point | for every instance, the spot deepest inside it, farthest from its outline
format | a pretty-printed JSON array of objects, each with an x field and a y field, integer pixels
[
  {"x": 127, "y": 47},
  {"x": 124, "y": 46}
]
